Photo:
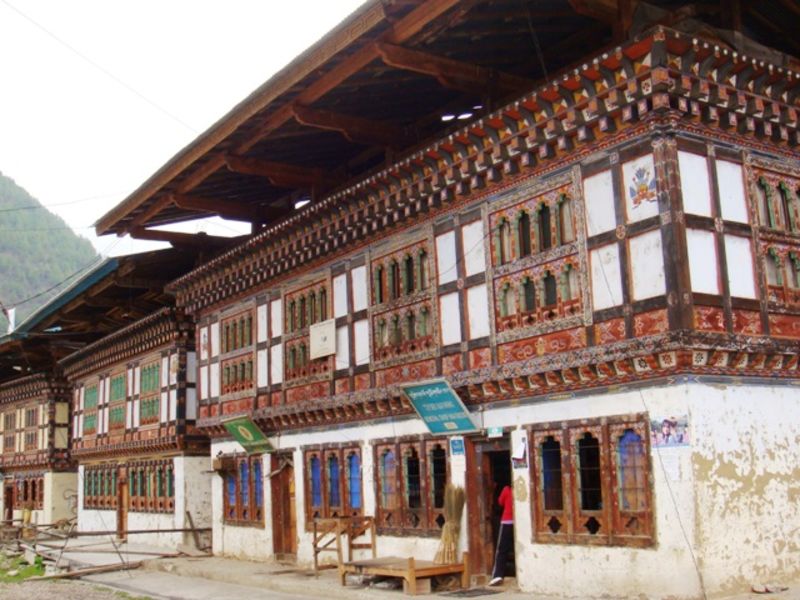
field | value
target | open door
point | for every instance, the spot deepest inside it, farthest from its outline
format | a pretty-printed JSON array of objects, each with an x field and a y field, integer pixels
[
  {"x": 284, "y": 511},
  {"x": 8, "y": 502},
  {"x": 122, "y": 503},
  {"x": 488, "y": 471}
]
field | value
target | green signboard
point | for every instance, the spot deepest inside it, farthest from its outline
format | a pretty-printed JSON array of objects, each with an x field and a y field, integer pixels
[
  {"x": 439, "y": 407},
  {"x": 249, "y": 435}
]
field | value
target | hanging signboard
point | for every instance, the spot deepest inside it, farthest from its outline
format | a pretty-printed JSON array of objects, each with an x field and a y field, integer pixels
[
  {"x": 323, "y": 339},
  {"x": 439, "y": 407},
  {"x": 249, "y": 435}
]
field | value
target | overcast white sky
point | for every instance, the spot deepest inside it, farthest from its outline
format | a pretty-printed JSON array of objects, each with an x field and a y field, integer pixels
[{"x": 85, "y": 120}]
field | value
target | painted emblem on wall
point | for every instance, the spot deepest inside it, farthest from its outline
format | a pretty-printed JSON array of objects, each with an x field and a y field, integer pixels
[{"x": 642, "y": 186}]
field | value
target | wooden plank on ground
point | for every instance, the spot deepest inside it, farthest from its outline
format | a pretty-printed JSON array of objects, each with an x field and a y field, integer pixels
[{"x": 90, "y": 571}]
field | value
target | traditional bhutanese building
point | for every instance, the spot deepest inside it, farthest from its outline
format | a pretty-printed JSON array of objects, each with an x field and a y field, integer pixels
[
  {"x": 602, "y": 263},
  {"x": 38, "y": 475},
  {"x": 37, "y": 469},
  {"x": 142, "y": 465}
]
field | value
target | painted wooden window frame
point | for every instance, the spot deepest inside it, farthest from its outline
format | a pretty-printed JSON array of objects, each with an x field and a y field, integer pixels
[
  {"x": 569, "y": 522},
  {"x": 328, "y": 488},
  {"x": 151, "y": 486},
  {"x": 28, "y": 492},
  {"x": 243, "y": 502},
  {"x": 395, "y": 512}
]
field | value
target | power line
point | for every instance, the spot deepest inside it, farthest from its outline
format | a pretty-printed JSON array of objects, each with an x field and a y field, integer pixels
[
  {"x": 49, "y": 206},
  {"x": 28, "y": 229},
  {"x": 68, "y": 278},
  {"x": 100, "y": 68}
]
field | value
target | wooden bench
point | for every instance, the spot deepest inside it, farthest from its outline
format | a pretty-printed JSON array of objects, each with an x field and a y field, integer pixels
[{"x": 409, "y": 570}]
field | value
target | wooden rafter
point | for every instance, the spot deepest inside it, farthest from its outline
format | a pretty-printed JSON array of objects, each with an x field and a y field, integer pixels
[
  {"x": 197, "y": 240},
  {"x": 401, "y": 31},
  {"x": 452, "y": 73},
  {"x": 602, "y": 10},
  {"x": 281, "y": 174},
  {"x": 151, "y": 212},
  {"x": 355, "y": 129},
  {"x": 227, "y": 209}
]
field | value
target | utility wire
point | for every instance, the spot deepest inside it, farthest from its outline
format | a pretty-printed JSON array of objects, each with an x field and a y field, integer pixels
[
  {"x": 100, "y": 68},
  {"x": 660, "y": 457},
  {"x": 68, "y": 278},
  {"x": 49, "y": 206}
]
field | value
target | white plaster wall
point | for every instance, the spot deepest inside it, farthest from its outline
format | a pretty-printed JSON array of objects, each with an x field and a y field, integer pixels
[
  {"x": 359, "y": 280},
  {"x": 729, "y": 499},
  {"x": 695, "y": 183},
  {"x": 477, "y": 311},
  {"x": 252, "y": 543},
  {"x": 746, "y": 461},
  {"x": 361, "y": 339},
  {"x": 703, "y": 262},
  {"x": 647, "y": 265},
  {"x": 606, "y": 277},
  {"x": 575, "y": 571},
  {"x": 192, "y": 492},
  {"x": 450, "y": 317},
  {"x": 730, "y": 180},
  {"x": 739, "y": 254},
  {"x": 340, "y": 295},
  {"x": 193, "y": 476},
  {"x": 598, "y": 190},
  {"x": 472, "y": 242},
  {"x": 446, "y": 257},
  {"x": 60, "y": 497}
]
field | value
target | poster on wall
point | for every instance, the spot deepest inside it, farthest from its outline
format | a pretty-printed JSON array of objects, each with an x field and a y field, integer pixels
[{"x": 669, "y": 431}]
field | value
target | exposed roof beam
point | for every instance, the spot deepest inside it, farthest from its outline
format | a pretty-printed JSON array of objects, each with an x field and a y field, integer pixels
[
  {"x": 281, "y": 174},
  {"x": 151, "y": 212},
  {"x": 196, "y": 240},
  {"x": 141, "y": 283},
  {"x": 452, "y": 73},
  {"x": 355, "y": 129},
  {"x": 400, "y": 31},
  {"x": 227, "y": 209},
  {"x": 602, "y": 10}
]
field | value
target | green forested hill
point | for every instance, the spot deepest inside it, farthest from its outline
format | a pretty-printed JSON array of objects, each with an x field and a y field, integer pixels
[{"x": 37, "y": 251}]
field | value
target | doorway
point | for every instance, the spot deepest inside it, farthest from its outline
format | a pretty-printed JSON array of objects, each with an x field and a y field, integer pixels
[
  {"x": 8, "y": 502},
  {"x": 122, "y": 504},
  {"x": 488, "y": 472},
  {"x": 284, "y": 511}
]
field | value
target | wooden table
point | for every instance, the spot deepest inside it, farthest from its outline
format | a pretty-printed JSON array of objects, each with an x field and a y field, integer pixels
[{"x": 407, "y": 569}]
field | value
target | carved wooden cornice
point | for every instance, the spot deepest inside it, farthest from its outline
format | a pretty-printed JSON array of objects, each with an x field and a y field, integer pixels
[
  {"x": 611, "y": 365},
  {"x": 166, "y": 326},
  {"x": 40, "y": 386},
  {"x": 662, "y": 74}
]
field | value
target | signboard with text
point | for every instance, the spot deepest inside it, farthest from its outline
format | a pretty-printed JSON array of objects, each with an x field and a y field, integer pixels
[
  {"x": 249, "y": 435},
  {"x": 439, "y": 407}
]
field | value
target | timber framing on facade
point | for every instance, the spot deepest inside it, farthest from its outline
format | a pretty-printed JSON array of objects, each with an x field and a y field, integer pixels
[
  {"x": 113, "y": 371},
  {"x": 35, "y": 427},
  {"x": 675, "y": 91},
  {"x": 582, "y": 216}
]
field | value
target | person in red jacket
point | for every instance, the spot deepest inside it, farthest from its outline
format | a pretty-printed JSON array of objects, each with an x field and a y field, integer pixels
[{"x": 505, "y": 540}]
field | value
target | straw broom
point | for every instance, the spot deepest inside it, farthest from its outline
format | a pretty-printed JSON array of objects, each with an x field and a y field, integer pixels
[{"x": 454, "y": 498}]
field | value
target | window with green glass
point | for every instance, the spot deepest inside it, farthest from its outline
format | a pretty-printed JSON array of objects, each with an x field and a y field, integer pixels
[
  {"x": 150, "y": 378},
  {"x": 89, "y": 423},
  {"x": 90, "y": 397},
  {"x": 117, "y": 392}
]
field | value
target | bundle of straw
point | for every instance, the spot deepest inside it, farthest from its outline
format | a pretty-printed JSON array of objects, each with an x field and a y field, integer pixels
[{"x": 454, "y": 498}]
